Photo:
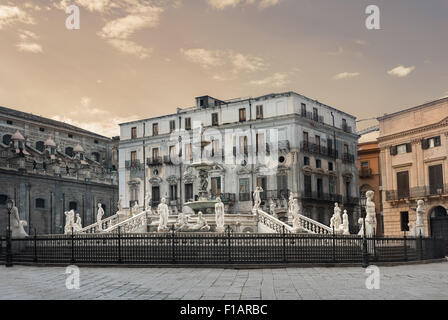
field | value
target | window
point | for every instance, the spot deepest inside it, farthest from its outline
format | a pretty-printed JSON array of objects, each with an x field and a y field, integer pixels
[
  {"x": 400, "y": 149},
  {"x": 134, "y": 133},
  {"x": 172, "y": 125},
  {"x": 187, "y": 123},
  {"x": 155, "y": 129},
  {"x": 364, "y": 164},
  {"x": 41, "y": 129},
  {"x": 242, "y": 115},
  {"x": 330, "y": 166},
  {"x": 216, "y": 186},
  {"x": 345, "y": 148},
  {"x": 344, "y": 124},
  {"x": 331, "y": 185},
  {"x": 307, "y": 185},
  {"x": 40, "y": 203},
  {"x": 201, "y": 102},
  {"x": 188, "y": 152},
  {"x": 172, "y": 153},
  {"x": 318, "y": 143},
  {"x": 303, "y": 110},
  {"x": 214, "y": 119},
  {"x": 330, "y": 146},
  {"x": 260, "y": 142},
  {"x": 404, "y": 219},
  {"x": 40, "y": 145},
  {"x": 315, "y": 114},
  {"x": 320, "y": 188},
  {"x": 347, "y": 190},
  {"x": 215, "y": 147},
  {"x": 403, "y": 184},
  {"x": 155, "y": 154},
  {"x": 305, "y": 139},
  {"x": 70, "y": 136},
  {"x": 96, "y": 156},
  {"x": 243, "y": 145},
  {"x": 9, "y": 122},
  {"x": 306, "y": 161},
  {"x": 73, "y": 205},
  {"x": 244, "y": 189},
  {"x": 431, "y": 143},
  {"x": 173, "y": 192},
  {"x": 6, "y": 139},
  {"x": 318, "y": 163},
  {"x": 95, "y": 141},
  {"x": 188, "y": 192},
  {"x": 3, "y": 199},
  {"x": 435, "y": 179},
  {"x": 69, "y": 151},
  {"x": 259, "y": 112}
]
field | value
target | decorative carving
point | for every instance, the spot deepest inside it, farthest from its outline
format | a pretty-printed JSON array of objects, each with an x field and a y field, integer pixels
[
  {"x": 219, "y": 215},
  {"x": 172, "y": 179},
  {"x": 99, "y": 217},
  {"x": 163, "y": 213}
]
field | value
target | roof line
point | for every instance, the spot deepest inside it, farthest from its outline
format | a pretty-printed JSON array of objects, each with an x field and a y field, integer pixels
[{"x": 426, "y": 104}]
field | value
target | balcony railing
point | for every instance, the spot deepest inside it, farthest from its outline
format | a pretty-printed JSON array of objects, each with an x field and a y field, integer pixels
[
  {"x": 365, "y": 172},
  {"x": 347, "y": 128},
  {"x": 347, "y": 157},
  {"x": 244, "y": 196},
  {"x": 225, "y": 197},
  {"x": 154, "y": 161},
  {"x": 417, "y": 192},
  {"x": 351, "y": 200},
  {"x": 133, "y": 164},
  {"x": 275, "y": 194},
  {"x": 321, "y": 196},
  {"x": 318, "y": 149}
]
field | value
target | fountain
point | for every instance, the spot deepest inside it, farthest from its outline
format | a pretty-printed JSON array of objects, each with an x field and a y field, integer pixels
[{"x": 204, "y": 203}]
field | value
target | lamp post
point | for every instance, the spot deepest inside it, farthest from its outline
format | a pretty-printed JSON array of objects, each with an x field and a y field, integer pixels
[
  {"x": 365, "y": 257},
  {"x": 9, "y": 205}
]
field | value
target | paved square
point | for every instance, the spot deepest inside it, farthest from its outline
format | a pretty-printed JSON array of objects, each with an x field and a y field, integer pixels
[{"x": 428, "y": 281}]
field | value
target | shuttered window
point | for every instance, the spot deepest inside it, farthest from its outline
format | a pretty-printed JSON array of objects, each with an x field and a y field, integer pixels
[
  {"x": 403, "y": 184},
  {"x": 435, "y": 179}
]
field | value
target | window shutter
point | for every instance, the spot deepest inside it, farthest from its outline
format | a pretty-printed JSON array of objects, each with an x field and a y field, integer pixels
[
  {"x": 424, "y": 144},
  {"x": 408, "y": 147},
  {"x": 393, "y": 150},
  {"x": 437, "y": 141}
]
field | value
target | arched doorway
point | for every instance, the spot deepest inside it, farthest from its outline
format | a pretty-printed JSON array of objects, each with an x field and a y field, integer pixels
[{"x": 439, "y": 222}]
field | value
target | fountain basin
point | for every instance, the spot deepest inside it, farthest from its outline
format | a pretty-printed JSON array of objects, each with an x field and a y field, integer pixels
[{"x": 206, "y": 206}]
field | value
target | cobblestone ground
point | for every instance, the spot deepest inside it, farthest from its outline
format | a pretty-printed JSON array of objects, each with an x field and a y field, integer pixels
[{"x": 428, "y": 281}]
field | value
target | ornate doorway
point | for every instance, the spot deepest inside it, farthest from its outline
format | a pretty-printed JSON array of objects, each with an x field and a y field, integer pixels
[{"x": 439, "y": 222}]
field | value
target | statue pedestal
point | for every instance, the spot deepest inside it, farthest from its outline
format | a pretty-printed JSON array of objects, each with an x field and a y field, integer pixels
[{"x": 220, "y": 229}]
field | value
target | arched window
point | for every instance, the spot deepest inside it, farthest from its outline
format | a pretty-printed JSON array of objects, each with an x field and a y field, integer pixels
[
  {"x": 96, "y": 156},
  {"x": 69, "y": 151},
  {"x": 40, "y": 145},
  {"x": 3, "y": 199},
  {"x": 40, "y": 203},
  {"x": 73, "y": 205},
  {"x": 7, "y": 139}
]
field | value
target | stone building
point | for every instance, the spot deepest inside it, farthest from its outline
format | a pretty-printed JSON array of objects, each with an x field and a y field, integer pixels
[
  {"x": 281, "y": 142},
  {"x": 370, "y": 173},
  {"x": 48, "y": 167},
  {"x": 414, "y": 165}
]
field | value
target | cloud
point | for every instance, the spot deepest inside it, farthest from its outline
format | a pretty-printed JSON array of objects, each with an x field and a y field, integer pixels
[
  {"x": 117, "y": 32},
  {"x": 29, "y": 47},
  {"x": 277, "y": 80},
  {"x": 10, "y": 15},
  {"x": 234, "y": 61},
  {"x": 346, "y": 75},
  {"x": 223, "y": 4},
  {"x": 401, "y": 71}
]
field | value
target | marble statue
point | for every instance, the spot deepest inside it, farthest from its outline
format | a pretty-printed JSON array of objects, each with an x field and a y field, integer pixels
[
  {"x": 69, "y": 221},
  {"x": 148, "y": 202},
  {"x": 370, "y": 214},
  {"x": 219, "y": 215},
  {"x": 345, "y": 224},
  {"x": 361, "y": 227},
  {"x": 99, "y": 217},
  {"x": 17, "y": 225},
  {"x": 135, "y": 209},
  {"x": 336, "y": 220},
  {"x": 120, "y": 204},
  {"x": 163, "y": 213},
  {"x": 77, "y": 227},
  {"x": 257, "y": 198},
  {"x": 295, "y": 210},
  {"x": 272, "y": 207},
  {"x": 201, "y": 225},
  {"x": 419, "y": 223}
]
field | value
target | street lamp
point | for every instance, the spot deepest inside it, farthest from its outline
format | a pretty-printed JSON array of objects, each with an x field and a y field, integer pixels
[
  {"x": 9, "y": 205},
  {"x": 365, "y": 258}
]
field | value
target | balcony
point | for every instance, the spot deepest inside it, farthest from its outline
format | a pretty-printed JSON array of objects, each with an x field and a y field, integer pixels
[
  {"x": 133, "y": 165},
  {"x": 226, "y": 197},
  {"x": 155, "y": 161},
  {"x": 167, "y": 160},
  {"x": 244, "y": 196},
  {"x": 275, "y": 194},
  {"x": 365, "y": 172},
  {"x": 347, "y": 157},
  {"x": 321, "y": 196},
  {"x": 313, "y": 148},
  {"x": 417, "y": 192},
  {"x": 347, "y": 128}
]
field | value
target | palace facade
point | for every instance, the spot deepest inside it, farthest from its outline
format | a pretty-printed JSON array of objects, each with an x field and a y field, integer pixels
[
  {"x": 48, "y": 167},
  {"x": 282, "y": 142},
  {"x": 414, "y": 165}
]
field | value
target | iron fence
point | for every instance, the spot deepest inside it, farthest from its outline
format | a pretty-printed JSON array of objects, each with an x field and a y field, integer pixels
[{"x": 217, "y": 248}]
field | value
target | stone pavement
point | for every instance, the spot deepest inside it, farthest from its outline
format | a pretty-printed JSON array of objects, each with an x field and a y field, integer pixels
[{"x": 427, "y": 281}]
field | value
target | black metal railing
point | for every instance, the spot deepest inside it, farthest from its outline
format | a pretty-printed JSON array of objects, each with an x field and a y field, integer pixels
[
  {"x": 133, "y": 164},
  {"x": 275, "y": 194},
  {"x": 365, "y": 172},
  {"x": 219, "y": 248},
  {"x": 321, "y": 196},
  {"x": 348, "y": 157},
  {"x": 244, "y": 196},
  {"x": 417, "y": 192},
  {"x": 154, "y": 161},
  {"x": 314, "y": 148}
]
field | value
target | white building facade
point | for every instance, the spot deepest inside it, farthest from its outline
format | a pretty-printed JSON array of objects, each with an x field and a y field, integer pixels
[{"x": 281, "y": 142}]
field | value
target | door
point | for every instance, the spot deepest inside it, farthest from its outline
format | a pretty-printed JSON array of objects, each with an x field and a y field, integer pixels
[
  {"x": 155, "y": 195},
  {"x": 188, "y": 192},
  {"x": 403, "y": 184},
  {"x": 439, "y": 223},
  {"x": 216, "y": 186},
  {"x": 435, "y": 179}
]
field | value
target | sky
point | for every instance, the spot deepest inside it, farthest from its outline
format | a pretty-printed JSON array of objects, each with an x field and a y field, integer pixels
[{"x": 135, "y": 59}]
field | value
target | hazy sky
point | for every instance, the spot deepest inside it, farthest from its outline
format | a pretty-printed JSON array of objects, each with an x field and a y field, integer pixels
[{"x": 134, "y": 59}]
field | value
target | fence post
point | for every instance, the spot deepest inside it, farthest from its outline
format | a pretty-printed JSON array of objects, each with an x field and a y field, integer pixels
[
  {"x": 172, "y": 244},
  {"x": 284, "y": 243},
  {"x": 73, "y": 248},
  {"x": 119, "y": 245},
  {"x": 9, "y": 262},
  {"x": 334, "y": 247},
  {"x": 229, "y": 248},
  {"x": 405, "y": 247},
  {"x": 420, "y": 245},
  {"x": 365, "y": 254},
  {"x": 35, "y": 245}
]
